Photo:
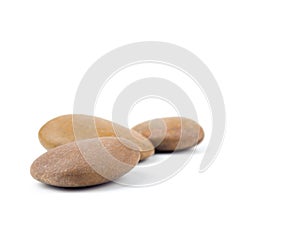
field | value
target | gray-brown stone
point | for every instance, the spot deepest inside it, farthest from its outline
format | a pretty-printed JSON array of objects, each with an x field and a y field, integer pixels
[{"x": 86, "y": 162}]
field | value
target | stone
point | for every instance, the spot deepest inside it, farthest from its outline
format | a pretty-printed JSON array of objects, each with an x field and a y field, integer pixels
[
  {"x": 172, "y": 133},
  {"x": 86, "y": 163},
  {"x": 64, "y": 129}
]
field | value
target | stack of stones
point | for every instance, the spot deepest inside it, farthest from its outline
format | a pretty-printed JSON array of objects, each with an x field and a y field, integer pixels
[{"x": 85, "y": 150}]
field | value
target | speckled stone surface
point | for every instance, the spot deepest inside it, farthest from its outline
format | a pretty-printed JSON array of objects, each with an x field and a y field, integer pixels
[
  {"x": 64, "y": 129},
  {"x": 172, "y": 133},
  {"x": 85, "y": 163}
]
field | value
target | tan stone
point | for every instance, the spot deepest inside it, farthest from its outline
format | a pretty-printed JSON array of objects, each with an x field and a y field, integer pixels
[
  {"x": 172, "y": 133},
  {"x": 63, "y": 129}
]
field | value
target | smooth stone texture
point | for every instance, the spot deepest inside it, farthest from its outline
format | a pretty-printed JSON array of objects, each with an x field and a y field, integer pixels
[
  {"x": 63, "y": 129},
  {"x": 86, "y": 163},
  {"x": 172, "y": 133}
]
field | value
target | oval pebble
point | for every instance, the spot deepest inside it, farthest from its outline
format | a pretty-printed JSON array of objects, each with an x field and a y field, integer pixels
[
  {"x": 86, "y": 163},
  {"x": 172, "y": 133},
  {"x": 63, "y": 129}
]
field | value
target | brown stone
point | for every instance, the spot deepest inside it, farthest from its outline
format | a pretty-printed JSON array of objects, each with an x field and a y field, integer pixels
[
  {"x": 172, "y": 133},
  {"x": 86, "y": 162},
  {"x": 64, "y": 129}
]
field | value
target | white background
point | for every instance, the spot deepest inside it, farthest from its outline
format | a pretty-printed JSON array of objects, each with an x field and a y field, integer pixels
[{"x": 253, "y": 50}]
